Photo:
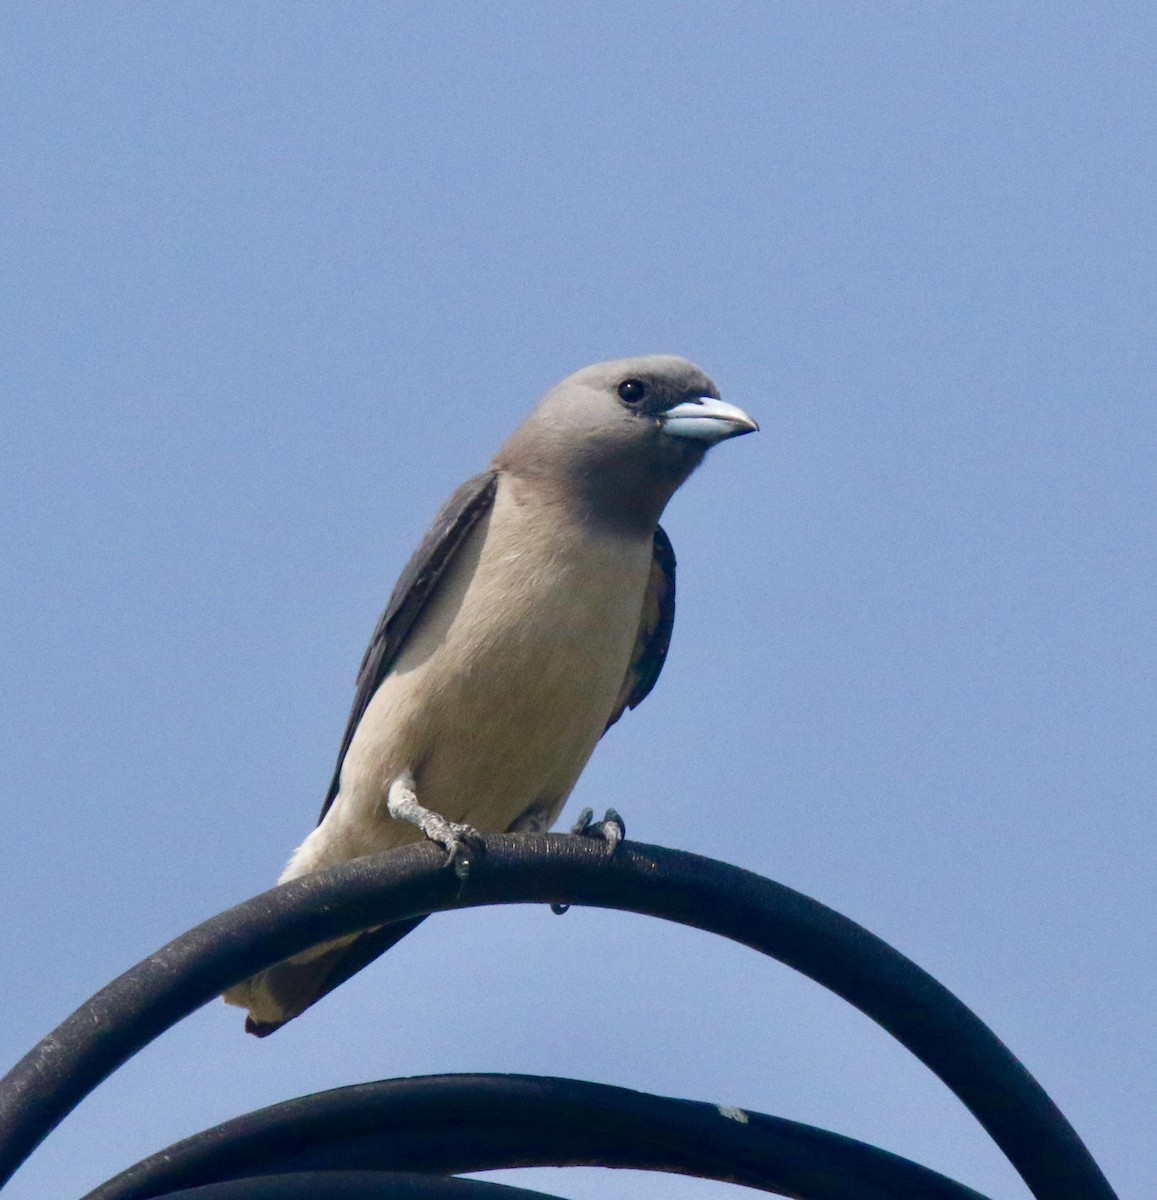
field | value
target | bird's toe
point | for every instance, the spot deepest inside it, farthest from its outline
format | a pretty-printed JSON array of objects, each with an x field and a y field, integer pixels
[
  {"x": 462, "y": 843},
  {"x": 611, "y": 829}
]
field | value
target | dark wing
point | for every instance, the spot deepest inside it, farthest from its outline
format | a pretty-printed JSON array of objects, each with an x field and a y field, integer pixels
[
  {"x": 655, "y": 625},
  {"x": 454, "y": 521}
]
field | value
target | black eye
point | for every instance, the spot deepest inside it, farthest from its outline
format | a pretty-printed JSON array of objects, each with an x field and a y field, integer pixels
[{"x": 632, "y": 390}]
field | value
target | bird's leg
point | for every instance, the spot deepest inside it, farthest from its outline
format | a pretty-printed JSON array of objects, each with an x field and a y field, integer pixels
[
  {"x": 611, "y": 828},
  {"x": 459, "y": 841}
]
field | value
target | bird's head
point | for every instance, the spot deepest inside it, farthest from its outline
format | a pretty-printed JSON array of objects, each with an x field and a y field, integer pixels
[{"x": 624, "y": 435}]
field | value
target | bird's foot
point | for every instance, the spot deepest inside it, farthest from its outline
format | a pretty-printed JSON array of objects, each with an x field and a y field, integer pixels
[
  {"x": 462, "y": 843},
  {"x": 611, "y": 829}
]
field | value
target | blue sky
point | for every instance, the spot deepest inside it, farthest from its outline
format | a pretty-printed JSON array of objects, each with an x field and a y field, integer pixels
[{"x": 276, "y": 277}]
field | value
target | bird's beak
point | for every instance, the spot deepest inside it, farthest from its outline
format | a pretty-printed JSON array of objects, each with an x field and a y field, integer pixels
[{"x": 706, "y": 420}]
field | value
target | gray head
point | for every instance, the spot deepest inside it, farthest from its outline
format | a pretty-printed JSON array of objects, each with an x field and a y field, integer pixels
[{"x": 620, "y": 437}]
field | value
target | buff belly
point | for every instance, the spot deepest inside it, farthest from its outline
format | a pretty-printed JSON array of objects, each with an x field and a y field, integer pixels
[{"x": 504, "y": 688}]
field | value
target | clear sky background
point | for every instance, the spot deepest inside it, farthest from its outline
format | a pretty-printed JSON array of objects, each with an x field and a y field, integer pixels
[{"x": 277, "y": 277}]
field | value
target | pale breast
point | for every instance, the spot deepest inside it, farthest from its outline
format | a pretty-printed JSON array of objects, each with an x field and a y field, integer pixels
[{"x": 506, "y": 684}]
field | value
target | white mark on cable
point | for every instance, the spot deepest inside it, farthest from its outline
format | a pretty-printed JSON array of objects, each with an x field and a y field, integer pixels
[{"x": 732, "y": 1114}]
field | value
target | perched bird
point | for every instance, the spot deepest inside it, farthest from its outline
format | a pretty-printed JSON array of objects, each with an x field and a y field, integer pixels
[{"x": 535, "y": 611}]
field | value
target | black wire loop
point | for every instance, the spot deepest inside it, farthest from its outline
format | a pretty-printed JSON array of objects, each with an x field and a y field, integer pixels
[
  {"x": 554, "y": 869},
  {"x": 356, "y": 1185},
  {"x": 451, "y": 1124}
]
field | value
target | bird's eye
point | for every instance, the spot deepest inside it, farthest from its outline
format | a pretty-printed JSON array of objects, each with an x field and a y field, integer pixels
[{"x": 631, "y": 391}]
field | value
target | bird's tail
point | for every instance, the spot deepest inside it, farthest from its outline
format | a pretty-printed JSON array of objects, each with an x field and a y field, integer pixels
[{"x": 287, "y": 989}]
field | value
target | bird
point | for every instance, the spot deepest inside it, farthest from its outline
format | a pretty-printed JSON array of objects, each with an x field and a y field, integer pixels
[{"x": 536, "y": 610}]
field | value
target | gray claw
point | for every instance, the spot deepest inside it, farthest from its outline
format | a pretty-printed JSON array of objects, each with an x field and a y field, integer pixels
[
  {"x": 614, "y": 828},
  {"x": 580, "y": 827},
  {"x": 611, "y": 829},
  {"x": 462, "y": 843}
]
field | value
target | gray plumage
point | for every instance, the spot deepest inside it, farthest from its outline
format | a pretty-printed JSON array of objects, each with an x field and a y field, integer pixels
[{"x": 536, "y": 610}]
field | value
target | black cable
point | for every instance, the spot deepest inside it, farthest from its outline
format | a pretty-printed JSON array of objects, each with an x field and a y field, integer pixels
[
  {"x": 356, "y": 1185},
  {"x": 555, "y": 868},
  {"x": 452, "y": 1124}
]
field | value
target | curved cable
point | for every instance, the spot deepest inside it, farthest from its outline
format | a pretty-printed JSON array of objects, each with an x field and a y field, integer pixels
[
  {"x": 452, "y": 1124},
  {"x": 356, "y": 1185},
  {"x": 560, "y": 869}
]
